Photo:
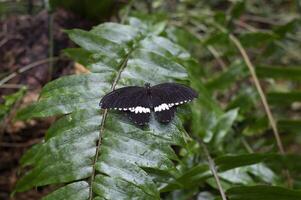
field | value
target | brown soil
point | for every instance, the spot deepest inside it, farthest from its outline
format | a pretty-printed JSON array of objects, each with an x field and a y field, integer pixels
[{"x": 24, "y": 39}]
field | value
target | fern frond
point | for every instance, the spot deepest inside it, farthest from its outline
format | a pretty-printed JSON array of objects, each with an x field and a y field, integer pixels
[{"x": 101, "y": 155}]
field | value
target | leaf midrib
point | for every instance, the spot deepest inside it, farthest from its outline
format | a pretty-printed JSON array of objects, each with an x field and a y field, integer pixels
[{"x": 122, "y": 65}]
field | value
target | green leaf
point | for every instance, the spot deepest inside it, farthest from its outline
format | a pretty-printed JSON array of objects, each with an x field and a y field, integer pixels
[
  {"x": 190, "y": 178},
  {"x": 87, "y": 9},
  {"x": 10, "y": 101},
  {"x": 230, "y": 162},
  {"x": 237, "y": 176},
  {"x": 293, "y": 125},
  {"x": 279, "y": 72},
  {"x": 237, "y": 9},
  {"x": 217, "y": 38},
  {"x": 224, "y": 80},
  {"x": 284, "y": 98},
  {"x": 286, "y": 28},
  {"x": 78, "y": 190},
  {"x": 81, "y": 55},
  {"x": 255, "y": 39},
  {"x": 256, "y": 125},
  {"x": 222, "y": 127},
  {"x": 183, "y": 38},
  {"x": 276, "y": 160},
  {"x": 244, "y": 100},
  {"x": 263, "y": 193},
  {"x": 128, "y": 158}
]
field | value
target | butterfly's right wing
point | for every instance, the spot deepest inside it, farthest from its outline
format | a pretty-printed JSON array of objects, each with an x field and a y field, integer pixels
[
  {"x": 133, "y": 100},
  {"x": 121, "y": 99},
  {"x": 167, "y": 96},
  {"x": 173, "y": 93}
]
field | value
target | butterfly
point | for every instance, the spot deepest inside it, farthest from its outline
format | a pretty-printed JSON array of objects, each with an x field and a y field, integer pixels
[{"x": 138, "y": 102}]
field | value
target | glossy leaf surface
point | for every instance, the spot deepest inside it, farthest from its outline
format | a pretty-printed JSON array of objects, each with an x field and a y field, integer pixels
[{"x": 116, "y": 55}]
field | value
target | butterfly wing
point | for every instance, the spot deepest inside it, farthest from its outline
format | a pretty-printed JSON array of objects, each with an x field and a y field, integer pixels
[
  {"x": 137, "y": 102},
  {"x": 134, "y": 101},
  {"x": 138, "y": 118},
  {"x": 165, "y": 116},
  {"x": 165, "y": 98},
  {"x": 121, "y": 99},
  {"x": 172, "y": 94}
]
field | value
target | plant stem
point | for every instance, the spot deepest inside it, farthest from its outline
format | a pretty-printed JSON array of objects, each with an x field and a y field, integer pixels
[
  {"x": 26, "y": 68},
  {"x": 260, "y": 91},
  {"x": 12, "y": 86},
  {"x": 263, "y": 100},
  {"x": 247, "y": 146},
  {"x": 217, "y": 56},
  {"x": 51, "y": 43},
  {"x": 212, "y": 168},
  {"x": 127, "y": 11}
]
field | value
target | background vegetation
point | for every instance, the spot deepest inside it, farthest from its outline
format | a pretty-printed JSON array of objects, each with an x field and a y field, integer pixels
[{"x": 240, "y": 140}]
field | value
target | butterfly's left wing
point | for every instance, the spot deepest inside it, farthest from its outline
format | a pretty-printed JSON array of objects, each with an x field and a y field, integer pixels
[{"x": 165, "y": 116}]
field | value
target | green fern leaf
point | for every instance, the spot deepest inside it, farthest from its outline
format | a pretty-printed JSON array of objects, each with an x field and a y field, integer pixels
[{"x": 99, "y": 155}]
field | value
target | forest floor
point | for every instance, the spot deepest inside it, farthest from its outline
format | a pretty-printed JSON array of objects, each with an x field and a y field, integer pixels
[{"x": 24, "y": 40}]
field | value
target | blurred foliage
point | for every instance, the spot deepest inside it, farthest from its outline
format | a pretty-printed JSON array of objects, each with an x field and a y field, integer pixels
[
  {"x": 91, "y": 9},
  {"x": 15, "y": 7},
  {"x": 228, "y": 115},
  {"x": 10, "y": 101}
]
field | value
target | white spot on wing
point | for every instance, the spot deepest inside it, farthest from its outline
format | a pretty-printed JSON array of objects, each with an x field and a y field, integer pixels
[
  {"x": 140, "y": 109},
  {"x": 162, "y": 107}
]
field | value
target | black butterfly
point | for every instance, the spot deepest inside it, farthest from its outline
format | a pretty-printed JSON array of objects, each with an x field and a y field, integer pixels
[{"x": 139, "y": 102}]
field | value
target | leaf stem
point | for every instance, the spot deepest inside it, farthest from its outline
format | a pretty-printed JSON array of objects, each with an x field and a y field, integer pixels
[
  {"x": 212, "y": 168},
  {"x": 102, "y": 124}
]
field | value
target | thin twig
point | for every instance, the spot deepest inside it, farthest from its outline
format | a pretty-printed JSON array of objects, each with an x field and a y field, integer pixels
[
  {"x": 127, "y": 11},
  {"x": 217, "y": 56},
  {"x": 260, "y": 91},
  {"x": 247, "y": 146},
  {"x": 20, "y": 145},
  {"x": 260, "y": 19},
  {"x": 245, "y": 26},
  {"x": 51, "y": 44},
  {"x": 26, "y": 68},
  {"x": 212, "y": 168},
  {"x": 255, "y": 29},
  {"x": 211, "y": 49},
  {"x": 12, "y": 86},
  {"x": 2, "y": 42},
  {"x": 263, "y": 100}
]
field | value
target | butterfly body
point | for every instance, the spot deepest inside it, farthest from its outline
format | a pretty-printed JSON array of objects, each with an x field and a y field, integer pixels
[{"x": 139, "y": 102}]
